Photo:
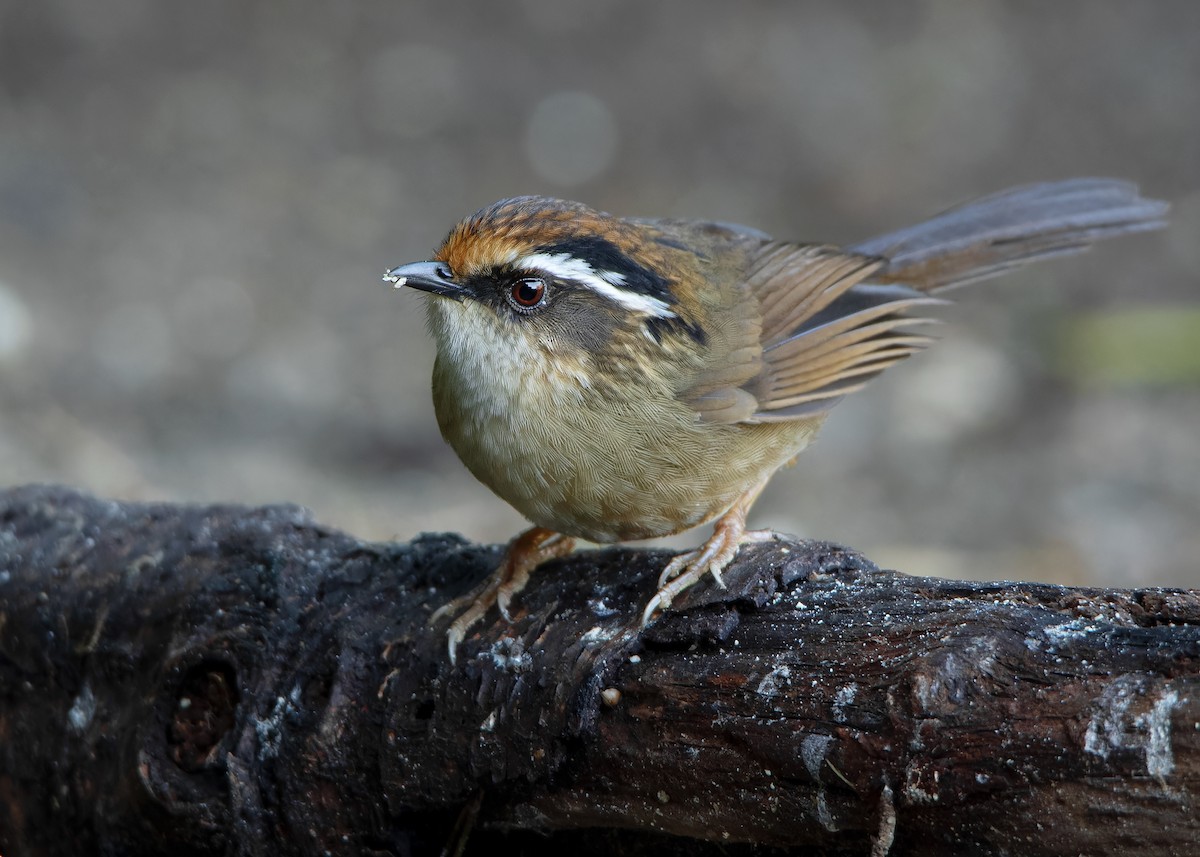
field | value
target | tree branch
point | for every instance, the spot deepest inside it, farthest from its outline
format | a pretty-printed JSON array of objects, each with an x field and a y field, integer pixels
[{"x": 207, "y": 679}]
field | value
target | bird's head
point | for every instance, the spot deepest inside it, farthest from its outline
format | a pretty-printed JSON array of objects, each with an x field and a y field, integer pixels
[{"x": 534, "y": 275}]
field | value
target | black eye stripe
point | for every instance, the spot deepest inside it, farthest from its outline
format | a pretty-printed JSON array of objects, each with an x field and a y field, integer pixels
[{"x": 602, "y": 255}]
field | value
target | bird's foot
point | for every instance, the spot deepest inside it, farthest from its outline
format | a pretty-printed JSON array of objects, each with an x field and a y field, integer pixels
[
  {"x": 711, "y": 558},
  {"x": 524, "y": 553},
  {"x": 688, "y": 569}
]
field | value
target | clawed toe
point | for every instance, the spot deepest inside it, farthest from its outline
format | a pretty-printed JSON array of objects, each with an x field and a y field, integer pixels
[
  {"x": 711, "y": 558},
  {"x": 525, "y": 553},
  {"x": 686, "y": 571}
]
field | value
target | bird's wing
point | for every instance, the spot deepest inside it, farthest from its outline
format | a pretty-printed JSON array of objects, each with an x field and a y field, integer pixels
[
  {"x": 827, "y": 331},
  {"x": 833, "y": 319},
  {"x": 822, "y": 331}
]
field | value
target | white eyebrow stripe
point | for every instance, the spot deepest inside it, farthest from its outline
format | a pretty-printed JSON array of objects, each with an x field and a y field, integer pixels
[{"x": 568, "y": 267}]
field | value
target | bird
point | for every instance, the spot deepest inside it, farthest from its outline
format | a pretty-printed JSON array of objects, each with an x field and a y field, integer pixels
[{"x": 619, "y": 378}]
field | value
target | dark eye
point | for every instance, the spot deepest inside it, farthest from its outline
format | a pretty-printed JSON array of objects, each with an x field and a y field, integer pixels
[{"x": 527, "y": 293}]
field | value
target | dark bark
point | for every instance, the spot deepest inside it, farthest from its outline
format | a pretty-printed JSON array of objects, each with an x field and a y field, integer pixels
[{"x": 197, "y": 680}]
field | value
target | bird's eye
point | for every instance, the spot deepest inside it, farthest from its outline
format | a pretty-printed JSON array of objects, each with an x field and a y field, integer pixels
[{"x": 527, "y": 293}]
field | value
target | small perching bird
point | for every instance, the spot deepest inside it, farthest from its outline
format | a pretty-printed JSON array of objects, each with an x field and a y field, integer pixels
[{"x": 616, "y": 378}]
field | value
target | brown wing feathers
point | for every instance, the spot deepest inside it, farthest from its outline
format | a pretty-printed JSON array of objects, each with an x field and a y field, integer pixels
[
  {"x": 794, "y": 283},
  {"x": 827, "y": 331},
  {"x": 832, "y": 319},
  {"x": 807, "y": 367}
]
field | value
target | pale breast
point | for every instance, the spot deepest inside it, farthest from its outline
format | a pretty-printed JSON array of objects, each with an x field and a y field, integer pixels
[{"x": 578, "y": 459}]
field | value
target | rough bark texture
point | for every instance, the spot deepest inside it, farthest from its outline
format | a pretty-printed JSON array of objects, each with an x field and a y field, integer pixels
[{"x": 199, "y": 680}]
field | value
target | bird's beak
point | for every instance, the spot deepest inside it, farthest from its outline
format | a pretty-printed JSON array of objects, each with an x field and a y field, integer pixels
[{"x": 433, "y": 277}]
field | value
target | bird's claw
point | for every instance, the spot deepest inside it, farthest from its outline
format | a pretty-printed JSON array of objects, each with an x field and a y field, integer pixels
[
  {"x": 712, "y": 558},
  {"x": 525, "y": 553}
]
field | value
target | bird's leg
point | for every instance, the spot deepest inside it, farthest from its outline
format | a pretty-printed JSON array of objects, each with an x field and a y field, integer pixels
[
  {"x": 524, "y": 553},
  {"x": 687, "y": 569}
]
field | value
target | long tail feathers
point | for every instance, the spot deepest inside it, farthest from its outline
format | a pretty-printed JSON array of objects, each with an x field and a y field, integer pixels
[
  {"x": 847, "y": 335},
  {"x": 988, "y": 236}
]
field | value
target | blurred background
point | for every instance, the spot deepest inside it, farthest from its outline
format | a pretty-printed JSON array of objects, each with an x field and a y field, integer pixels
[{"x": 197, "y": 201}]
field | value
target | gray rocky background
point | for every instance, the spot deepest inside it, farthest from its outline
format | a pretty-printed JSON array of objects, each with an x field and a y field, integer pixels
[{"x": 197, "y": 201}]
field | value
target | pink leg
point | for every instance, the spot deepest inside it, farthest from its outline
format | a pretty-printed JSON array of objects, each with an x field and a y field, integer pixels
[
  {"x": 687, "y": 569},
  {"x": 525, "y": 553}
]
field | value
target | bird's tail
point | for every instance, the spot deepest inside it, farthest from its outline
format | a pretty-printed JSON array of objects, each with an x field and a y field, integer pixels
[{"x": 988, "y": 236}]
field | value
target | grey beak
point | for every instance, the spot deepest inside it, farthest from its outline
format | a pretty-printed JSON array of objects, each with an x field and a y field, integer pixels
[{"x": 432, "y": 277}]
